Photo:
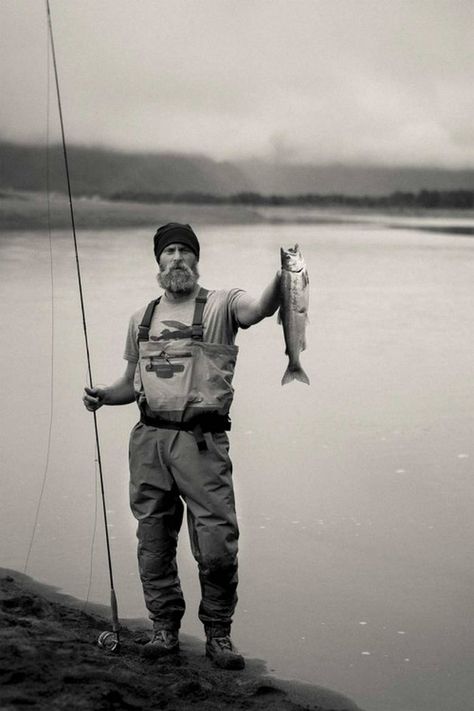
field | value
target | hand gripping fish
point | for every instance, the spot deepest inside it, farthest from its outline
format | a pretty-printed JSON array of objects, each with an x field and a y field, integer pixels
[{"x": 293, "y": 314}]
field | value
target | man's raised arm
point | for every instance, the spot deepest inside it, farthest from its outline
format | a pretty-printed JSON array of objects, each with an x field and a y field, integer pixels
[{"x": 251, "y": 310}]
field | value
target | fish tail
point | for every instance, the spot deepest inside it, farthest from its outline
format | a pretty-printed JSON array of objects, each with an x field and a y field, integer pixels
[{"x": 292, "y": 373}]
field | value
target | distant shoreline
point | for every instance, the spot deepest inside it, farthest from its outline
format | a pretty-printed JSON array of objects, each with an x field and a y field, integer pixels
[{"x": 21, "y": 211}]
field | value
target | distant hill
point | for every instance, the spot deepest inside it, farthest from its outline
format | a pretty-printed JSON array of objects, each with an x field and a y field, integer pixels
[
  {"x": 351, "y": 179},
  {"x": 100, "y": 171}
]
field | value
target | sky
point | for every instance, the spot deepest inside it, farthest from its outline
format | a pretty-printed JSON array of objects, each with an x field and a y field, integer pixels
[{"x": 351, "y": 81}]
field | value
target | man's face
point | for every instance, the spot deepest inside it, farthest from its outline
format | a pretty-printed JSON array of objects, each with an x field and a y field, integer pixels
[{"x": 178, "y": 269}]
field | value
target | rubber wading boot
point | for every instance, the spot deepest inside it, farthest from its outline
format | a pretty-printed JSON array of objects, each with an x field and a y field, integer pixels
[
  {"x": 221, "y": 651},
  {"x": 162, "y": 643}
]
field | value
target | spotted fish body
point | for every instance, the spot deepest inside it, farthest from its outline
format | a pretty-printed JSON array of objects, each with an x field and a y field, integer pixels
[{"x": 293, "y": 315}]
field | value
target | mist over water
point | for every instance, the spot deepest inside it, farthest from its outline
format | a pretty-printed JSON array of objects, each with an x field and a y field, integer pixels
[{"x": 354, "y": 495}]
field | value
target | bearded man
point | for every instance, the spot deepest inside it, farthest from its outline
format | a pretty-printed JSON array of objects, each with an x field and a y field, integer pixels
[{"x": 180, "y": 352}]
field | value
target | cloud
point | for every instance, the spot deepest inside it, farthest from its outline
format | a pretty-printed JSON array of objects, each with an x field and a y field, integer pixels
[{"x": 306, "y": 80}]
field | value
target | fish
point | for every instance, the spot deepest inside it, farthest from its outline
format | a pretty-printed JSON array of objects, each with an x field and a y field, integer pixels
[{"x": 293, "y": 313}]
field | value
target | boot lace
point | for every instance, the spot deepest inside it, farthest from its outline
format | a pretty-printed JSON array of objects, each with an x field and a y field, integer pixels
[
  {"x": 165, "y": 637},
  {"x": 224, "y": 643}
]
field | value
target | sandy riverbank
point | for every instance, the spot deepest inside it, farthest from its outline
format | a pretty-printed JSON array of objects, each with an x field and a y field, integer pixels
[{"x": 49, "y": 660}]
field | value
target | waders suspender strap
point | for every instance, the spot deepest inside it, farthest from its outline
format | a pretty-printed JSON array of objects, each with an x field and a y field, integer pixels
[
  {"x": 197, "y": 330},
  {"x": 144, "y": 327}
]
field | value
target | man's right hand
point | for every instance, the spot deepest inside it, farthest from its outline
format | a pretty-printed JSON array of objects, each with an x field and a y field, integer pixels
[{"x": 93, "y": 398}]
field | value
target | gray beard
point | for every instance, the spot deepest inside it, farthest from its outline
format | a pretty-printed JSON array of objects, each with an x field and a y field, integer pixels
[{"x": 179, "y": 279}]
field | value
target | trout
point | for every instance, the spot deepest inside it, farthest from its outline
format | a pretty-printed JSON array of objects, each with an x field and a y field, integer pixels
[{"x": 293, "y": 314}]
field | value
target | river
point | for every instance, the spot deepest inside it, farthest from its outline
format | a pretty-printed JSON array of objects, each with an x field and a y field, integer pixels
[{"x": 354, "y": 495}]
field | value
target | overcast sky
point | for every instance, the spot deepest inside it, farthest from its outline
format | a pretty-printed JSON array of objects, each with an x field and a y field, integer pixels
[{"x": 384, "y": 81}]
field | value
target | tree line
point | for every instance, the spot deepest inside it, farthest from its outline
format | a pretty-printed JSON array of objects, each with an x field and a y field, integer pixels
[{"x": 424, "y": 199}]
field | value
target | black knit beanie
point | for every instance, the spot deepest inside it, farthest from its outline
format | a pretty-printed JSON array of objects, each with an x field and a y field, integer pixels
[{"x": 175, "y": 232}]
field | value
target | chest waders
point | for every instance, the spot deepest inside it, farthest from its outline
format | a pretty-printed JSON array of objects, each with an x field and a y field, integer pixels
[{"x": 187, "y": 382}]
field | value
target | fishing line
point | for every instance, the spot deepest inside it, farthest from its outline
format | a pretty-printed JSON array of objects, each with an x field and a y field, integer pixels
[
  {"x": 52, "y": 315},
  {"x": 113, "y": 644}
]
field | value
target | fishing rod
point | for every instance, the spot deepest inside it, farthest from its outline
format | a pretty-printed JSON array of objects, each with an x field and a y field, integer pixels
[{"x": 107, "y": 640}]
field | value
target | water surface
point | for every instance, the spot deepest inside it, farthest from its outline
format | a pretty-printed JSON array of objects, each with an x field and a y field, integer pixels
[{"x": 354, "y": 495}]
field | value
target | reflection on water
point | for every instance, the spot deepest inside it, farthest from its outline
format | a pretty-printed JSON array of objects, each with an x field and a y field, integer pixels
[{"x": 354, "y": 495}]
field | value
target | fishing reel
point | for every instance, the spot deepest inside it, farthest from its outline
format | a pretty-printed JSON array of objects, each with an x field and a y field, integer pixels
[{"x": 109, "y": 641}]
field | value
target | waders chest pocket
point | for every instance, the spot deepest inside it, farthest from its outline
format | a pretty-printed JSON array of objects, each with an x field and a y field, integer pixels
[
  {"x": 180, "y": 381},
  {"x": 165, "y": 366}
]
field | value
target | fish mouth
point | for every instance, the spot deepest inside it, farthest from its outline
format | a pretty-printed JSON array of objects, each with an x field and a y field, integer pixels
[
  {"x": 293, "y": 251},
  {"x": 291, "y": 258}
]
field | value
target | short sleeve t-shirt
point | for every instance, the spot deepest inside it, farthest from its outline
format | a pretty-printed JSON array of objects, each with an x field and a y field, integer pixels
[{"x": 172, "y": 320}]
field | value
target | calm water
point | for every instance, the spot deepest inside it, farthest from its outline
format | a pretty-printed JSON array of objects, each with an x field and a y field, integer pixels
[{"x": 355, "y": 495}]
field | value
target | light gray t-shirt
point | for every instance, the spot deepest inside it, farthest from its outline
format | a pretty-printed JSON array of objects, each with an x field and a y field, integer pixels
[{"x": 173, "y": 320}]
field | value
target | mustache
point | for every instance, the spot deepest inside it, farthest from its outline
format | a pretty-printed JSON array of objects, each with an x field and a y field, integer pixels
[{"x": 177, "y": 266}]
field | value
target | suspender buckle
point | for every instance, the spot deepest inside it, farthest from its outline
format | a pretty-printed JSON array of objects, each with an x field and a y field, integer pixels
[
  {"x": 197, "y": 332},
  {"x": 199, "y": 437}
]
